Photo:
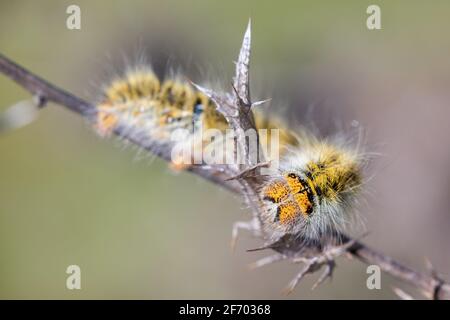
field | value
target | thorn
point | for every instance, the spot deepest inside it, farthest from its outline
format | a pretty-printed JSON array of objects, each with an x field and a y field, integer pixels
[
  {"x": 267, "y": 246},
  {"x": 233, "y": 244},
  {"x": 208, "y": 92},
  {"x": 234, "y": 236},
  {"x": 261, "y": 102},
  {"x": 294, "y": 282},
  {"x": 250, "y": 172},
  {"x": 402, "y": 294},
  {"x": 430, "y": 268},
  {"x": 259, "y": 249},
  {"x": 266, "y": 261},
  {"x": 327, "y": 274},
  {"x": 437, "y": 278},
  {"x": 242, "y": 79},
  {"x": 219, "y": 100}
]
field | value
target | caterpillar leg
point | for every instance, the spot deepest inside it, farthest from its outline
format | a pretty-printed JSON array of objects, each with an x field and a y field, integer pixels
[{"x": 241, "y": 225}]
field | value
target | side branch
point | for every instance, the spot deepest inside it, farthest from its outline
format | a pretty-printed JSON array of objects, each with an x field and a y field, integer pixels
[
  {"x": 44, "y": 90},
  {"x": 37, "y": 86}
]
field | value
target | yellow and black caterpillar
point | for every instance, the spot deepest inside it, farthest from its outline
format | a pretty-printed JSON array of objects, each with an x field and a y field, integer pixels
[
  {"x": 312, "y": 191},
  {"x": 169, "y": 103}
]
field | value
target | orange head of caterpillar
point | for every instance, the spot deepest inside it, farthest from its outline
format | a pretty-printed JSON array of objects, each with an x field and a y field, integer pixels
[
  {"x": 292, "y": 195},
  {"x": 313, "y": 192}
]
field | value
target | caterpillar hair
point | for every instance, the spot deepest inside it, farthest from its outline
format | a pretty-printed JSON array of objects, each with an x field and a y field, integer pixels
[{"x": 310, "y": 194}]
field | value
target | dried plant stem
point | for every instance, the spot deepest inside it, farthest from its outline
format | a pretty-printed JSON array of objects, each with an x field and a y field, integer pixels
[
  {"x": 46, "y": 92},
  {"x": 430, "y": 284}
]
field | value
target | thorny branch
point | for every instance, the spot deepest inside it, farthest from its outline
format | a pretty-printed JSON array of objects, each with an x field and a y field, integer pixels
[{"x": 236, "y": 107}]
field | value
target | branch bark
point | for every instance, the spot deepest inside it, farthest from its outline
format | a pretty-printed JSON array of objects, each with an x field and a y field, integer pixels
[{"x": 47, "y": 92}]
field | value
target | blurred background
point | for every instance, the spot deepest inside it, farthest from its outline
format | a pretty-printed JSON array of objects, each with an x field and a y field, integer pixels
[{"x": 138, "y": 230}]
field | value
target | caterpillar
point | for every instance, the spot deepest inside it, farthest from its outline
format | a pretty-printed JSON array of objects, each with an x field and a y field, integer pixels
[
  {"x": 311, "y": 192},
  {"x": 141, "y": 101},
  {"x": 314, "y": 191}
]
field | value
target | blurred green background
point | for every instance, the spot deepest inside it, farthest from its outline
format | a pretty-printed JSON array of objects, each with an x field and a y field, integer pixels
[{"x": 138, "y": 230}]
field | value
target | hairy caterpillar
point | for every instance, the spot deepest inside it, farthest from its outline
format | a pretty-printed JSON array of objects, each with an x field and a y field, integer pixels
[
  {"x": 140, "y": 101},
  {"x": 313, "y": 191},
  {"x": 310, "y": 194}
]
